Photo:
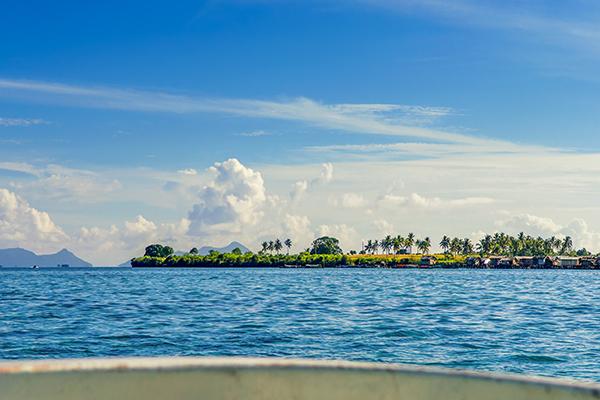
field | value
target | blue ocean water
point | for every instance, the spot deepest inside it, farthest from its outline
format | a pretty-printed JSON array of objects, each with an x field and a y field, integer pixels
[{"x": 525, "y": 321}]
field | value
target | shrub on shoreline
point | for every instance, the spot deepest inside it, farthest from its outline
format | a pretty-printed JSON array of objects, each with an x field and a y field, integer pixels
[{"x": 250, "y": 260}]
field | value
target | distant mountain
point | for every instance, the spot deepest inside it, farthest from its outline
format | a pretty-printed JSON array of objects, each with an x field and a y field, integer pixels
[
  {"x": 227, "y": 249},
  {"x": 125, "y": 264},
  {"x": 18, "y": 257}
]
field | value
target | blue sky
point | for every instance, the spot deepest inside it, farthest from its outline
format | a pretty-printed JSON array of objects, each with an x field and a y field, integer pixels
[{"x": 101, "y": 105}]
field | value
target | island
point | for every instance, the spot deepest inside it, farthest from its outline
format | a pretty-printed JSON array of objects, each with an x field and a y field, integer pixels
[{"x": 498, "y": 251}]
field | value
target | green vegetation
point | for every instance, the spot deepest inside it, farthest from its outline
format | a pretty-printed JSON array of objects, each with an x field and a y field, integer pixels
[
  {"x": 326, "y": 245},
  {"x": 393, "y": 252},
  {"x": 275, "y": 246},
  {"x": 522, "y": 245},
  {"x": 303, "y": 259},
  {"x": 499, "y": 244},
  {"x": 158, "y": 250}
]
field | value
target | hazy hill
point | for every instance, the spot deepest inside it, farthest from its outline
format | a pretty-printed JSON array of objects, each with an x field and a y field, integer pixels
[
  {"x": 17, "y": 257},
  {"x": 227, "y": 249}
]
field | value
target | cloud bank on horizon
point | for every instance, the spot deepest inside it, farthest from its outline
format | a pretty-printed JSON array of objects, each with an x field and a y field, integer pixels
[{"x": 437, "y": 118}]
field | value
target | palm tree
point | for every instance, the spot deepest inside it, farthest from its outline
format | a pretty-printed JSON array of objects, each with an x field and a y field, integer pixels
[
  {"x": 277, "y": 246},
  {"x": 398, "y": 244},
  {"x": 467, "y": 246},
  {"x": 420, "y": 246},
  {"x": 567, "y": 245},
  {"x": 427, "y": 244},
  {"x": 386, "y": 244},
  {"x": 496, "y": 245},
  {"x": 556, "y": 244},
  {"x": 409, "y": 242},
  {"x": 288, "y": 244},
  {"x": 271, "y": 246},
  {"x": 516, "y": 246},
  {"x": 479, "y": 246},
  {"x": 455, "y": 246},
  {"x": 485, "y": 245},
  {"x": 375, "y": 246},
  {"x": 424, "y": 245},
  {"x": 265, "y": 246},
  {"x": 445, "y": 243},
  {"x": 548, "y": 246},
  {"x": 522, "y": 240}
]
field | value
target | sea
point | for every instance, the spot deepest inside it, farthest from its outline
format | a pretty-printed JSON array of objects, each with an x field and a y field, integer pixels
[{"x": 535, "y": 322}]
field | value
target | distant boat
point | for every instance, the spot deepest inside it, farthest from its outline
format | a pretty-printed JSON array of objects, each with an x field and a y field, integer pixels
[
  {"x": 35, "y": 267},
  {"x": 282, "y": 379},
  {"x": 314, "y": 266}
]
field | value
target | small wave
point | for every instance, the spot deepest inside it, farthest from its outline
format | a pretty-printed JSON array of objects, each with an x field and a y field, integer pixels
[
  {"x": 126, "y": 337},
  {"x": 537, "y": 358},
  {"x": 403, "y": 333}
]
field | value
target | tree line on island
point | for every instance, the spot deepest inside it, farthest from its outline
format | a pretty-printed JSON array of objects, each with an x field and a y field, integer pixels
[
  {"x": 388, "y": 251},
  {"x": 498, "y": 244},
  {"x": 276, "y": 246}
]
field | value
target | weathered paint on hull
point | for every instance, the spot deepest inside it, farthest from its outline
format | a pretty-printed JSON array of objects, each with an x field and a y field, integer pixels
[{"x": 266, "y": 379}]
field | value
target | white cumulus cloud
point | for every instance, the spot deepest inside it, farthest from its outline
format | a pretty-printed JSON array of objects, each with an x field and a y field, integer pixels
[
  {"x": 188, "y": 171},
  {"x": 353, "y": 200},
  {"x": 234, "y": 199},
  {"x": 24, "y": 226},
  {"x": 300, "y": 188},
  {"x": 578, "y": 229},
  {"x": 384, "y": 227},
  {"x": 297, "y": 227},
  {"x": 418, "y": 201},
  {"x": 346, "y": 234}
]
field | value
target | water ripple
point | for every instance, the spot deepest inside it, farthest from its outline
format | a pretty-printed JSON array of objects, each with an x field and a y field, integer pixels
[{"x": 535, "y": 322}]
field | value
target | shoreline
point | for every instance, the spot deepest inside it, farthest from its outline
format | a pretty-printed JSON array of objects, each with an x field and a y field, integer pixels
[
  {"x": 373, "y": 267},
  {"x": 308, "y": 261}
]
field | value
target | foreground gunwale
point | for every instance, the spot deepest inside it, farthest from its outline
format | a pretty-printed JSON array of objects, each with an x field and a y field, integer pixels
[{"x": 166, "y": 364}]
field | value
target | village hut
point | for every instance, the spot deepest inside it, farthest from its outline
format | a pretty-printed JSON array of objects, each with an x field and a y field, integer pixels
[
  {"x": 524, "y": 262},
  {"x": 473, "y": 262},
  {"x": 568, "y": 262},
  {"x": 588, "y": 262},
  {"x": 539, "y": 262},
  {"x": 507, "y": 262},
  {"x": 428, "y": 261},
  {"x": 492, "y": 262},
  {"x": 551, "y": 262}
]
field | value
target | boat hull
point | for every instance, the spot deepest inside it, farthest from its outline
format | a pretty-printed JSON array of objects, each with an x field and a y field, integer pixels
[{"x": 276, "y": 379}]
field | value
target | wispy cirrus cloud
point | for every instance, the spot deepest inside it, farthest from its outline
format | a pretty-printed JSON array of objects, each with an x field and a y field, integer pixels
[
  {"x": 59, "y": 183},
  {"x": 21, "y": 121},
  {"x": 396, "y": 113},
  {"x": 357, "y": 118},
  {"x": 256, "y": 133},
  {"x": 422, "y": 149},
  {"x": 21, "y": 167},
  {"x": 580, "y": 25},
  {"x": 11, "y": 141}
]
